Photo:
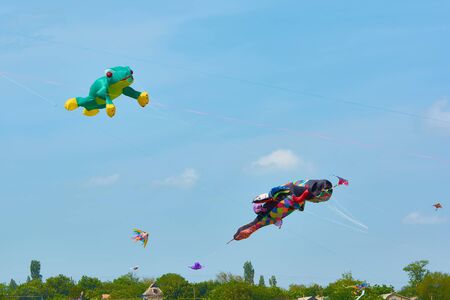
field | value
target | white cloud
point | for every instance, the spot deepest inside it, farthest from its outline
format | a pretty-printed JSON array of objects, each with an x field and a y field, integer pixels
[
  {"x": 438, "y": 116},
  {"x": 281, "y": 160},
  {"x": 185, "y": 180},
  {"x": 418, "y": 218},
  {"x": 103, "y": 180}
]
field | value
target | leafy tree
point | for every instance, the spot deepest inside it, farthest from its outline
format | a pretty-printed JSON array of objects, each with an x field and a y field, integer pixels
[
  {"x": 3, "y": 290},
  {"x": 174, "y": 286},
  {"x": 416, "y": 272},
  {"x": 204, "y": 288},
  {"x": 408, "y": 291},
  {"x": 89, "y": 283},
  {"x": 434, "y": 286},
  {"x": 382, "y": 289},
  {"x": 60, "y": 286},
  {"x": 261, "y": 281},
  {"x": 31, "y": 288},
  {"x": 339, "y": 290},
  {"x": 126, "y": 287},
  {"x": 266, "y": 293},
  {"x": 92, "y": 287},
  {"x": 12, "y": 284},
  {"x": 35, "y": 270},
  {"x": 297, "y": 291},
  {"x": 273, "y": 281},
  {"x": 223, "y": 277},
  {"x": 249, "y": 272},
  {"x": 232, "y": 290}
]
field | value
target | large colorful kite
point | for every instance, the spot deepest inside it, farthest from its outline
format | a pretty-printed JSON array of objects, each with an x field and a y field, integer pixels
[
  {"x": 104, "y": 90},
  {"x": 281, "y": 201}
]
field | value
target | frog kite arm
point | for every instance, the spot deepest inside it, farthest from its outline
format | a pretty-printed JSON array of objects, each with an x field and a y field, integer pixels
[{"x": 104, "y": 90}]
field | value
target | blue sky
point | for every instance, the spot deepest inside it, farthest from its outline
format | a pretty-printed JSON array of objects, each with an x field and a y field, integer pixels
[{"x": 245, "y": 96}]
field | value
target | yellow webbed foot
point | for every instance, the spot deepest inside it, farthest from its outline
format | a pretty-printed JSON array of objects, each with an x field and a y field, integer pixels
[
  {"x": 110, "y": 110},
  {"x": 71, "y": 104},
  {"x": 143, "y": 99},
  {"x": 90, "y": 113}
]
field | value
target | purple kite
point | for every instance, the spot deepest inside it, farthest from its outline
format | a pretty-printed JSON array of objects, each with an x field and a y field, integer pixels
[{"x": 196, "y": 266}]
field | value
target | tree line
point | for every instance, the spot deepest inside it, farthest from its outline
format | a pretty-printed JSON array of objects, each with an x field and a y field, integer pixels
[{"x": 422, "y": 283}]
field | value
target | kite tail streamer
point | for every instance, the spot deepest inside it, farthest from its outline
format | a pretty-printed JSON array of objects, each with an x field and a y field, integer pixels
[{"x": 362, "y": 294}]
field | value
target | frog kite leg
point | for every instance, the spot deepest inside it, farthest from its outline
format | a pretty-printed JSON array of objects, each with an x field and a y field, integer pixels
[{"x": 104, "y": 90}]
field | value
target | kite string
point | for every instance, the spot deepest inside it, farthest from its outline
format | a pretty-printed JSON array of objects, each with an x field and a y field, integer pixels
[
  {"x": 237, "y": 120},
  {"x": 336, "y": 222},
  {"x": 55, "y": 105},
  {"x": 348, "y": 218},
  {"x": 31, "y": 91},
  {"x": 251, "y": 123},
  {"x": 243, "y": 80},
  {"x": 338, "y": 140}
]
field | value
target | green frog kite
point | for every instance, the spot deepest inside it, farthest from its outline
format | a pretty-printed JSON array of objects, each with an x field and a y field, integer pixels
[{"x": 104, "y": 90}]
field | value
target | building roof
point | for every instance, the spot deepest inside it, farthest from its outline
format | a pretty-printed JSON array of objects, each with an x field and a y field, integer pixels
[
  {"x": 152, "y": 290},
  {"x": 386, "y": 296}
]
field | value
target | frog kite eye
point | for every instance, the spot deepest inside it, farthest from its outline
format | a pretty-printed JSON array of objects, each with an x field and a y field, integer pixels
[{"x": 104, "y": 90}]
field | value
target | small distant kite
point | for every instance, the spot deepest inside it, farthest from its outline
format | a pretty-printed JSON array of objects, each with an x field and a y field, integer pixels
[
  {"x": 341, "y": 181},
  {"x": 196, "y": 266},
  {"x": 135, "y": 268},
  {"x": 141, "y": 236},
  {"x": 359, "y": 289},
  {"x": 437, "y": 206}
]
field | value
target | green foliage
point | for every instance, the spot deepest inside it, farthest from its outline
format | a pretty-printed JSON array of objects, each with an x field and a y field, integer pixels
[
  {"x": 434, "y": 286},
  {"x": 35, "y": 270},
  {"x": 238, "y": 290},
  {"x": 31, "y": 288},
  {"x": 261, "y": 281},
  {"x": 382, "y": 289},
  {"x": 249, "y": 272},
  {"x": 60, "y": 286},
  {"x": 340, "y": 288},
  {"x": 297, "y": 291},
  {"x": 89, "y": 283},
  {"x": 225, "y": 286},
  {"x": 91, "y": 287},
  {"x": 232, "y": 290},
  {"x": 12, "y": 284},
  {"x": 273, "y": 281},
  {"x": 223, "y": 277},
  {"x": 266, "y": 293},
  {"x": 416, "y": 272},
  {"x": 204, "y": 288},
  {"x": 126, "y": 287},
  {"x": 174, "y": 286},
  {"x": 3, "y": 290}
]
